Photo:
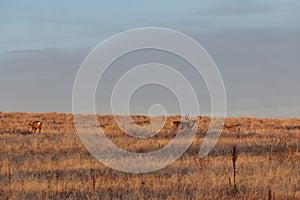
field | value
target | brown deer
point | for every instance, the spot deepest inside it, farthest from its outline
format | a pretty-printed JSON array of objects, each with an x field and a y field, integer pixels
[
  {"x": 35, "y": 126},
  {"x": 233, "y": 128},
  {"x": 182, "y": 125}
]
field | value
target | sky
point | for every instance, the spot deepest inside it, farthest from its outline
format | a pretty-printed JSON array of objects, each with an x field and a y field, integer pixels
[{"x": 254, "y": 43}]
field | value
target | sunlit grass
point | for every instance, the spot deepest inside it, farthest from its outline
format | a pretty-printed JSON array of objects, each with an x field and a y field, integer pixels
[{"x": 56, "y": 165}]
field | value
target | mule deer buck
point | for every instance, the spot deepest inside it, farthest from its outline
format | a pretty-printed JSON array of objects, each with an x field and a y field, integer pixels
[
  {"x": 35, "y": 126},
  {"x": 183, "y": 125}
]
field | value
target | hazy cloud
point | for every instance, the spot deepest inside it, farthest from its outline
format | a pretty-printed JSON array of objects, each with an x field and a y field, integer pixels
[
  {"x": 260, "y": 68},
  {"x": 39, "y": 79},
  {"x": 231, "y": 7}
]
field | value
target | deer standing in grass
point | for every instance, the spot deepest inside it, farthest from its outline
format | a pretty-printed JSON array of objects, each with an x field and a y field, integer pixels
[
  {"x": 35, "y": 126},
  {"x": 233, "y": 128},
  {"x": 182, "y": 125}
]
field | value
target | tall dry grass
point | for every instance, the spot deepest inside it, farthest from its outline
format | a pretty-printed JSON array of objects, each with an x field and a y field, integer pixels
[{"x": 55, "y": 164}]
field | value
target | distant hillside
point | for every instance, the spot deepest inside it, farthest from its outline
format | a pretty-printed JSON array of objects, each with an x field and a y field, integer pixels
[{"x": 64, "y": 123}]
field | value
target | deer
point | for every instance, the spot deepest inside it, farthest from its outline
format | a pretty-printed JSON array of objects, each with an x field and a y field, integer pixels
[
  {"x": 35, "y": 126},
  {"x": 189, "y": 124},
  {"x": 233, "y": 128}
]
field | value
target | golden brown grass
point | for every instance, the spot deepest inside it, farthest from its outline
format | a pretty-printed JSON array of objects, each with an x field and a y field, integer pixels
[{"x": 55, "y": 164}]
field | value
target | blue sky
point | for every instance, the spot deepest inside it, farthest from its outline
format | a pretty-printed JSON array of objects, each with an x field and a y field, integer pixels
[{"x": 255, "y": 44}]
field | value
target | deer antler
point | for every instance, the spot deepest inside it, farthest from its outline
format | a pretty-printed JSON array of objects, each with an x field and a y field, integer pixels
[{"x": 187, "y": 117}]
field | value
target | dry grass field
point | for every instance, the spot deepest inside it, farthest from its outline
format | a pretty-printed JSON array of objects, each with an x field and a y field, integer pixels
[{"x": 56, "y": 165}]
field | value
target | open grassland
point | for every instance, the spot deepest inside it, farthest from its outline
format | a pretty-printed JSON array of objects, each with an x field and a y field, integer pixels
[{"x": 56, "y": 165}]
